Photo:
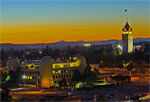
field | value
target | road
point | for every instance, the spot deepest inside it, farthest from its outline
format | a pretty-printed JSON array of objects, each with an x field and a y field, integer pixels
[
  {"x": 34, "y": 95},
  {"x": 123, "y": 92}
]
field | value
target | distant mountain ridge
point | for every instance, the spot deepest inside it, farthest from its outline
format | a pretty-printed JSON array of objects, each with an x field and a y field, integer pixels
[{"x": 63, "y": 44}]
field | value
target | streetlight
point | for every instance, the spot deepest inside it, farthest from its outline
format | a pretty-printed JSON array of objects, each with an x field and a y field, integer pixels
[
  {"x": 119, "y": 46},
  {"x": 24, "y": 78}
]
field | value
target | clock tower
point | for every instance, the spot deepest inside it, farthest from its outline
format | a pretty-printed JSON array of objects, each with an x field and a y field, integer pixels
[{"x": 127, "y": 39}]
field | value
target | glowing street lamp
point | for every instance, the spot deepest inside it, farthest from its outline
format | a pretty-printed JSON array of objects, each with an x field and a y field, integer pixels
[
  {"x": 23, "y": 76},
  {"x": 119, "y": 46}
]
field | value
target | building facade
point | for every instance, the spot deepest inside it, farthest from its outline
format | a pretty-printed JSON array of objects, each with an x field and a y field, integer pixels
[
  {"x": 47, "y": 72},
  {"x": 127, "y": 39}
]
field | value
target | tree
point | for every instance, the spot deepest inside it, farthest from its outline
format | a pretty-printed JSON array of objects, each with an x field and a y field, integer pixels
[
  {"x": 63, "y": 82},
  {"x": 5, "y": 94},
  {"x": 3, "y": 76},
  {"x": 102, "y": 96},
  {"x": 130, "y": 67},
  {"x": 3, "y": 55},
  {"x": 12, "y": 76},
  {"x": 96, "y": 71},
  {"x": 76, "y": 76},
  {"x": 89, "y": 76},
  {"x": 18, "y": 75}
]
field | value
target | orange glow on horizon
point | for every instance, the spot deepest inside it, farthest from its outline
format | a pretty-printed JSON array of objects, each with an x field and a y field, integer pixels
[{"x": 52, "y": 34}]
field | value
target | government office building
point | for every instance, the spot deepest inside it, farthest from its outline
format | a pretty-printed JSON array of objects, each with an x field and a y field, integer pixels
[{"x": 47, "y": 72}]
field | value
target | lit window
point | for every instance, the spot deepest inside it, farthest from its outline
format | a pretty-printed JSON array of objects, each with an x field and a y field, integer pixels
[
  {"x": 59, "y": 71},
  {"x": 53, "y": 71},
  {"x": 30, "y": 77},
  {"x": 26, "y": 77}
]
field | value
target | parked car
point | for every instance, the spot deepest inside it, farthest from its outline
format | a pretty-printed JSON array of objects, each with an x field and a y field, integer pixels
[{"x": 110, "y": 95}]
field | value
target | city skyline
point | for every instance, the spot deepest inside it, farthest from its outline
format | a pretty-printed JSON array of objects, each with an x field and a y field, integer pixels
[{"x": 52, "y": 21}]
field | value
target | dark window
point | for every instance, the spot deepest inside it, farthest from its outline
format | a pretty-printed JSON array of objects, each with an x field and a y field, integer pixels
[
  {"x": 64, "y": 76},
  {"x": 69, "y": 75},
  {"x": 38, "y": 72},
  {"x": 35, "y": 72},
  {"x": 56, "y": 76},
  {"x": 61, "y": 76},
  {"x": 53, "y": 77}
]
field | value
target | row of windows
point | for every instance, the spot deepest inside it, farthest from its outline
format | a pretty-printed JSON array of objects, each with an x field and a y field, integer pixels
[
  {"x": 31, "y": 72},
  {"x": 63, "y": 71},
  {"x": 27, "y": 67},
  {"x": 66, "y": 65},
  {"x": 32, "y": 77},
  {"x": 62, "y": 76},
  {"x": 32, "y": 82},
  {"x": 68, "y": 80}
]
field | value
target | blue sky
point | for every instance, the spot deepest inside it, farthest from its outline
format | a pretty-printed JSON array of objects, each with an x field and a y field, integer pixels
[{"x": 108, "y": 18}]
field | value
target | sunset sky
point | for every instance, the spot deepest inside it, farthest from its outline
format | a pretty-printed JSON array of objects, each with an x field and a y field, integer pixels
[{"x": 71, "y": 20}]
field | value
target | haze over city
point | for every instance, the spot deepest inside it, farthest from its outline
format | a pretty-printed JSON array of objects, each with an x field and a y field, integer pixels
[{"x": 52, "y": 21}]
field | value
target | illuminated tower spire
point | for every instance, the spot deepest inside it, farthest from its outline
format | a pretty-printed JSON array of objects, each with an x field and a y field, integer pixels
[{"x": 127, "y": 37}]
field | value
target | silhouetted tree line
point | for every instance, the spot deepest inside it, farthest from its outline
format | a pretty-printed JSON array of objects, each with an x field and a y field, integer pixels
[{"x": 107, "y": 55}]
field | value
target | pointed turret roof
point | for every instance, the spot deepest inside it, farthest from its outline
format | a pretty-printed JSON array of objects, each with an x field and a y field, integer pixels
[{"x": 127, "y": 27}]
